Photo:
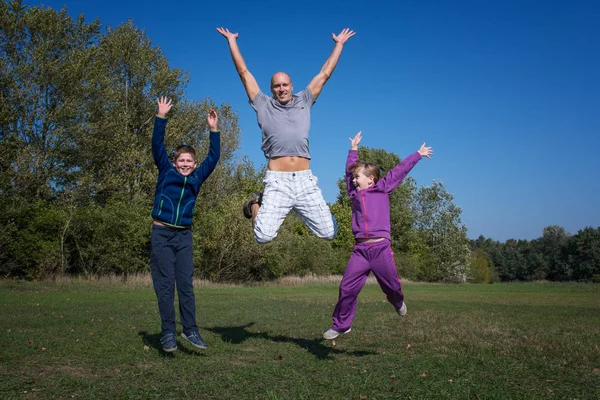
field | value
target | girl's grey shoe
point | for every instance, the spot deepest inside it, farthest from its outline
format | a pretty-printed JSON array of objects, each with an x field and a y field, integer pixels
[
  {"x": 331, "y": 334},
  {"x": 402, "y": 310}
]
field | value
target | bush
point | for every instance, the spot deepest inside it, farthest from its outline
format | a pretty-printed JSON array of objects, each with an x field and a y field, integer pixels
[
  {"x": 114, "y": 239},
  {"x": 224, "y": 245},
  {"x": 479, "y": 267},
  {"x": 30, "y": 239}
]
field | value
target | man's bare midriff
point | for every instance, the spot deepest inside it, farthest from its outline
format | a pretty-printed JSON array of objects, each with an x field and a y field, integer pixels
[{"x": 288, "y": 164}]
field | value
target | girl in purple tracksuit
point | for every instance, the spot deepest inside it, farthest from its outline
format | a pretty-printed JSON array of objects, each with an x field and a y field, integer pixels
[{"x": 371, "y": 229}]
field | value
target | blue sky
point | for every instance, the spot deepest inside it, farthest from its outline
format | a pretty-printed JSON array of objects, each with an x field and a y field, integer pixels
[{"x": 507, "y": 92}]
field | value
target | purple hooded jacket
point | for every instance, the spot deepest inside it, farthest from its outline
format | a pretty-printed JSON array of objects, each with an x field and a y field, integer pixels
[{"x": 371, "y": 207}]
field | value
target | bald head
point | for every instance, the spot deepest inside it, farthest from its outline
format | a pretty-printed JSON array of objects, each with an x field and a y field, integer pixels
[
  {"x": 280, "y": 77},
  {"x": 281, "y": 87}
]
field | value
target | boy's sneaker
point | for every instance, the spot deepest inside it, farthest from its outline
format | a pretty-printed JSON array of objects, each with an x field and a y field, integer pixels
[
  {"x": 331, "y": 334},
  {"x": 168, "y": 342},
  {"x": 255, "y": 198},
  {"x": 402, "y": 310},
  {"x": 195, "y": 340}
]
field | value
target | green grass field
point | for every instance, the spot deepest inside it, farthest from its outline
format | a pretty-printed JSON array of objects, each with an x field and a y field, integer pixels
[{"x": 503, "y": 341}]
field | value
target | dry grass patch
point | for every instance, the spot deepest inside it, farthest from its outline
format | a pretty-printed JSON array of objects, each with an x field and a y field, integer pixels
[{"x": 145, "y": 280}]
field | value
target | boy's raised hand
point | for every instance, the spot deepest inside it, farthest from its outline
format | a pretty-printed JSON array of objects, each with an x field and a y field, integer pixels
[
  {"x": 354, "y": 142},
  {"x": 425, "y": 151},
  {"x": 213, "y": 120},
  {"x": 164, "y": 106}
]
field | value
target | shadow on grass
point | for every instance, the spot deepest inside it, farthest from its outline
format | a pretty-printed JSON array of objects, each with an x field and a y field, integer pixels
[
  {"x": 238, "y": 334},
  {"x": 153, "y": 341}
]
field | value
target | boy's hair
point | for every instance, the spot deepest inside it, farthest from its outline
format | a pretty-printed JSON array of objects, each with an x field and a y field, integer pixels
[
  {"x": 369, "y": 169},
  {"x": 184, "y": 148}
]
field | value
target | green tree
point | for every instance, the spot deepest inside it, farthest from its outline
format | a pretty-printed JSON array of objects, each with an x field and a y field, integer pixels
[
  {"x": 43, "y": 55},
  {"x": 76, "y": 117},
  {"x": 438, "y": 221},
  {"x": 552, "y": 246},
  {"x": 492, "y": 248},
  {"x": 536, "y": 265},
  {"x": 584, "y": 254},
  {"x": 480, "y": 267},
  {"x": 125, "y": 74}
]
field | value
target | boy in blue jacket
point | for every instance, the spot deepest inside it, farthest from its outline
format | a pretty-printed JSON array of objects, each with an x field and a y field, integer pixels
[
  {"x": 371, "y": 229},
  {"x": 171, "y": 257}
]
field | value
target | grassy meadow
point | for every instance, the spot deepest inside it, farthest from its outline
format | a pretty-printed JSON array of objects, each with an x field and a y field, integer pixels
[{"x": 100, "y": 340}]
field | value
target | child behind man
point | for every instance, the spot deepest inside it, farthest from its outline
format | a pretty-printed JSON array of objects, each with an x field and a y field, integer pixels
[
  {"x": 171, "y": 258},
  {"x": 371, "y": 229}
]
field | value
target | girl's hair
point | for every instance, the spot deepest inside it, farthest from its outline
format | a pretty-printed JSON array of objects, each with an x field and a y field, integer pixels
[
  {"x": 368, "y": 169},
  {"x": 184, "y": 148}
]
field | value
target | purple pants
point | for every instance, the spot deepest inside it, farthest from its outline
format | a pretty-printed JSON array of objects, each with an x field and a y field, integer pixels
[{"x": 366, "y": 257}]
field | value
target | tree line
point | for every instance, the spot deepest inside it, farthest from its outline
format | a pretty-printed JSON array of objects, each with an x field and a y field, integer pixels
[
  {"x": 556, "y": 256},
  {"x": 77, "y": 178}
]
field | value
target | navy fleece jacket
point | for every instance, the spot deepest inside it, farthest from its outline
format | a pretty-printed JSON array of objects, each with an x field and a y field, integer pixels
[{"x": 176, "y": 194}]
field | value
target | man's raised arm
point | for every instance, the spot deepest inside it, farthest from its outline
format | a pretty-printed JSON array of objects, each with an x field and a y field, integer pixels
[
  {"x": 247, "y": 78},
  {"x": 316, "y": 85}
]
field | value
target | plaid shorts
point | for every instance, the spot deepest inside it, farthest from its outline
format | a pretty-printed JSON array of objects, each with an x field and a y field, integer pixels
[{"x": 285, "y": 191}]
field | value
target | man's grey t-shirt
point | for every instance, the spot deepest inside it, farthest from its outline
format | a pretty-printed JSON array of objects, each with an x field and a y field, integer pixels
[{"x": 284, "y": 126}]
